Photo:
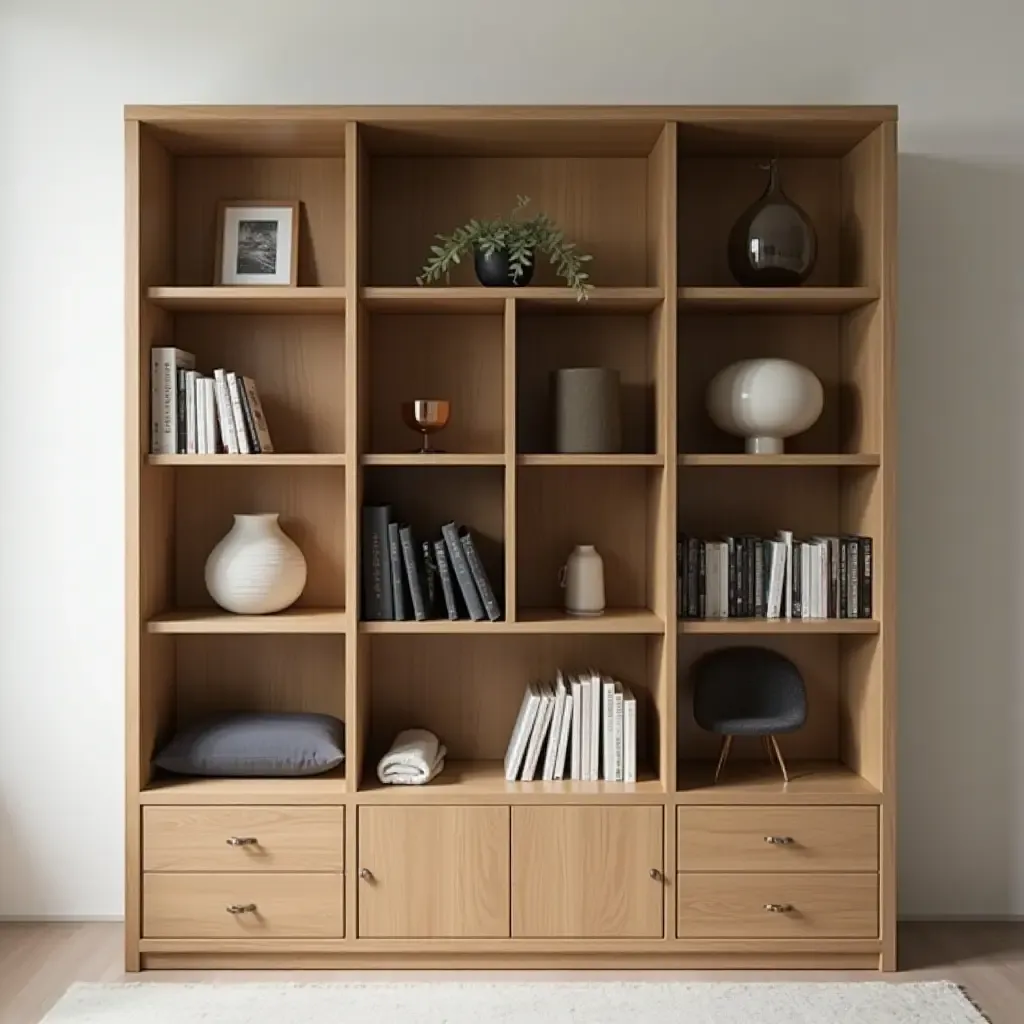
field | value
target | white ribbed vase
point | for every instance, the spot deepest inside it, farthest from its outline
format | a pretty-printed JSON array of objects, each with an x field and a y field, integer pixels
[
  {"x": 765, "y": 401},
  {"x": 583, "y": 579},
  {"x": 257, "y": 568}
]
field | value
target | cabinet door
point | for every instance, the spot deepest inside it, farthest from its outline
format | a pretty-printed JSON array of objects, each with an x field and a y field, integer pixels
[
  {"x": 433, "y": 872},
  {"x": 587, "y": 872}
]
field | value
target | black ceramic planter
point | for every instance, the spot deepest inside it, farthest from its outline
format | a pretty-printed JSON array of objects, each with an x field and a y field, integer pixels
[{"x": 493, "y": 271}]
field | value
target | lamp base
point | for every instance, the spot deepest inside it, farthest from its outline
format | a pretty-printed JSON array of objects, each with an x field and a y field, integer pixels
[{"x": 765, "y": 446}]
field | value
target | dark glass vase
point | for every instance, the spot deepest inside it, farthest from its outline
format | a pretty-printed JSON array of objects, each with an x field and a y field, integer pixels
[
  {"x": 493, "y": 270},
  {"x": 773, "y": 244}
]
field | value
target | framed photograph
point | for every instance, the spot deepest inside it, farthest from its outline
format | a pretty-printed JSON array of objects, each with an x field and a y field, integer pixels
[{"x": 258, "y": 243}]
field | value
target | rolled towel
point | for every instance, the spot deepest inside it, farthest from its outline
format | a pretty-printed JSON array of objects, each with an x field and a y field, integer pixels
[{"x": 415, "y": 757}]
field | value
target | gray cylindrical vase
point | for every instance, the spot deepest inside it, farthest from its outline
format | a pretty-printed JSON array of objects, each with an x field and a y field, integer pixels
[{"x": 588, "y": 417}]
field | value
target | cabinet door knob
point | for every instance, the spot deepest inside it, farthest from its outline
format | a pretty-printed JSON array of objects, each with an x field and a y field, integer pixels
[
  {"x": 241, "y": 908},
  {"x": 779, "y": 840},
  {"x": 243, "y": 841},
  {"x": 778, "y": 908},
  {"x": 366, "y": 874},
  {"x": 656, "y": 875}
]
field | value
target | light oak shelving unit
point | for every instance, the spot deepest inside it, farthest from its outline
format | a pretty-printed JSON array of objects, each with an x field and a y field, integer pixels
[{"x": 470, "y": 871}]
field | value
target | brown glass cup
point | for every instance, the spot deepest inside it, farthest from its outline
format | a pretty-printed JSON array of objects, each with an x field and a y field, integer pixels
[{"x": 428, "y": 416}]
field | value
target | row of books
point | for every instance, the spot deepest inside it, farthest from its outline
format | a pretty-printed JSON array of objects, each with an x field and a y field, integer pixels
[
  {"x": 583, "y": 724},
  {"x": 773, "y": 578},
  {"x": 197, "y": 415},
  {"x": 432, "y": 579}
]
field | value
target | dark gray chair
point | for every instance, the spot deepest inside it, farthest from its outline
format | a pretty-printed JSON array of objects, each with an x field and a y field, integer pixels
[{"x": 748, "y": 691}]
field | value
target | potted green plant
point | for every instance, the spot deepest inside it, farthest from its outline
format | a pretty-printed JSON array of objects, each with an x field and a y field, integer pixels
[{"x": 505, "y": 251}]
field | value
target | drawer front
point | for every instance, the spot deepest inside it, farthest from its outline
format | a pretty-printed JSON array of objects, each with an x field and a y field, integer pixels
[
  {"x": 243, "y": 839},
  {"x": 263, "y": 906},
  {"x": 777, "y": 839},
  {"x": 776, "y": 906}
]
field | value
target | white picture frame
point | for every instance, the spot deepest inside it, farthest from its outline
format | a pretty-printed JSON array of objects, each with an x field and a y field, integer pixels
[{"x": 258, "y": 243}]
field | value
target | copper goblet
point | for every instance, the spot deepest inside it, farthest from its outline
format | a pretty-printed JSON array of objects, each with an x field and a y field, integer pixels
[{"x": 428, "y": 416}]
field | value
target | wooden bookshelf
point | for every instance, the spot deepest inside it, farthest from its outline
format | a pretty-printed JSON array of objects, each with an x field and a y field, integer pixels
[{"x": 651, "y": 192}]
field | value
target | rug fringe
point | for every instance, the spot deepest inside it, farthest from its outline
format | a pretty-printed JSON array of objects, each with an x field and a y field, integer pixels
[{"x": 967, "y": 995}]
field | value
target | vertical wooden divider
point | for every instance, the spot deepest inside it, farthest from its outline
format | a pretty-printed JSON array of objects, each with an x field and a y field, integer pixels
[
  {"x": 509, "y": 400},
  {"x": 357, "y": 668}
]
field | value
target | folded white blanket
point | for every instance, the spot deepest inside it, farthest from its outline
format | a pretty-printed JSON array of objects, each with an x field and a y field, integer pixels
[{"x": 415, "y": 757}]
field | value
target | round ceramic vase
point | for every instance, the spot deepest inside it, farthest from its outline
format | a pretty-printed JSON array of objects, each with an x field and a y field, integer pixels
[
  {"x": 588, "y": 418},
  {"x": 583, "y": 580},
  {"x": 765, "y": 401},
  {"x": 257, "y": 568}
]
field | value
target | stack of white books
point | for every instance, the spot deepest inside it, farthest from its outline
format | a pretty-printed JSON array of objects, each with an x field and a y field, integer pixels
[{"x": 582, "y": 727}]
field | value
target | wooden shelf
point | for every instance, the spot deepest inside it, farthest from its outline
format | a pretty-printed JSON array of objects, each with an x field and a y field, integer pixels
[
  {"x": 180, "y": 789},
  {"x": 492, "y": 300},
  {"x": 337, "y": 459},
  {"x": 779, "y": 627},
  {"x": 484, "y": 782},
  {"x": 248, "y": 299},
  {"x": 774, "y": 300},
  {"x": 781, "y": 461},
  {"x": 212, "y": 620},
  {"x": 625, "y": 459},
  {"x": 534, "y": 621},
  {"x": 434, "y": 459},
  {"x": 754, "y": 782}
]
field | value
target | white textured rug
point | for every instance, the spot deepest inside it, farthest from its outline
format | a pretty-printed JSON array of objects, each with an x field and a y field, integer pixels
[{"x": 516, "y": 1002}]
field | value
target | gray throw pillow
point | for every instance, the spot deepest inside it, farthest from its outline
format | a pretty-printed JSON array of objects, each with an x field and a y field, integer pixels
[{"x": 256, "y": 745}]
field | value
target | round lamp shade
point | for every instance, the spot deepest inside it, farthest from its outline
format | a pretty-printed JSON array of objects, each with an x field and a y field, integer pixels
[{"x": 765, "y": 401}]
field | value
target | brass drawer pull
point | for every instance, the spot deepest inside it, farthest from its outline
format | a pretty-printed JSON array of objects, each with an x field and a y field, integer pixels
[
  {"x": 243, "y": 841},
  {"x": 242, "y": 908},
  {"x": 366, "y": 874},
  {"x": 778, "y": 908},
  {"x": 657, "y": 875},
  {"x": 779, "y": 840}
]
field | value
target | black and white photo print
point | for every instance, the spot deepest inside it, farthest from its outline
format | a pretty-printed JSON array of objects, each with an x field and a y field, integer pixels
[{"x": 258, "y": 243}]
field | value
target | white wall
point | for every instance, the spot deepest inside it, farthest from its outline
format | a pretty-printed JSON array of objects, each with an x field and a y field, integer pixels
[{"x": 66, "y": 69}]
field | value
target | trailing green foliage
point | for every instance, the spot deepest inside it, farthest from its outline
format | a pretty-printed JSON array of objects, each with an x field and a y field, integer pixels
[{"x": 521, "y": 237}]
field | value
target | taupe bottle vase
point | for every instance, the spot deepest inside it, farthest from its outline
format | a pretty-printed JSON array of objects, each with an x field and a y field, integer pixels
[{"x": 582, "y": 577}]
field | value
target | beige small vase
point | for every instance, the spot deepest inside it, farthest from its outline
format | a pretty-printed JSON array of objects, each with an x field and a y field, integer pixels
[{"x": 582, "y": 576}]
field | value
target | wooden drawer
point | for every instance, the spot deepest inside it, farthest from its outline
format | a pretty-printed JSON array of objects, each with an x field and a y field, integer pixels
[
  {"x": 195, "y": 906},
  {"x": 727, "y": 906},
  {"x": 805, "y": 839},
  {"x": 274, "y": 839}
]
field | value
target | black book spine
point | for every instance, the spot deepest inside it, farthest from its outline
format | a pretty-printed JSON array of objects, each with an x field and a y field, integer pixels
[
  {"x": 479, "y": 574},
  {"x": 866, "y": 571},
  {"x": 692, "y": 578},
  {"x": 377, "y": 597},
  {"x": 751, "y": 575},
  {"x": 844, "y": 582},
  {"x": 759, "y": 579},
  {"x": 430, "y": 589},
  {"x": 182, "y": 415},
  {"x": 797, "y": 580},
  {"x": 412, "y": 573},
  {"x": 731, "y": 546},
  {"x": 441, "y": 556},
  {"x": 397, "y": 573},
  {"x": 702, "y": 579},
  {"x": 741, "y": 581},
  {"x": 457, "y": 559},
  {"x": 247, "y": 416},
  {"x": 853, "y": 572},
  {"x": 680, "y": 580}
]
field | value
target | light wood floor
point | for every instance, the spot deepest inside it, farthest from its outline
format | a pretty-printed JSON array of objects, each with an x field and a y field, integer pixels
[{"x": 39, "y": 961}]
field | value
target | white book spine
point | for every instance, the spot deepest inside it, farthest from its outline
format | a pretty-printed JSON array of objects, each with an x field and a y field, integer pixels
[
  {"x": 225, "y": 416},
  {"x": 585, "y": 730},
  {"x": 200, "y": 417},
  {"x": 576, "y": 734},
  {"x": 237, "y": 415},
  {"x": 629, "y": 737},
  {"x": 563, "y": 739},
  {"x": 777, "y": 579},
  {"x": 554, "y": 733},
  {"x": 256, "y": 408},
  {"x": 806, "y": 588},
  {"x": 540, "y": 731},
  {"x": 521, "y": 733},
  {"x": 608, "y": 730},
  {"x": 711, "y": 580},
  {"x": 191, "y": 424},
  {"x": 786, "y": 537},
  {"x": 595, "y": 726},
  {"x": 212, "y": 433},
  {"x": 618, "y": 733},
  {"x": 164, "y": 365}
]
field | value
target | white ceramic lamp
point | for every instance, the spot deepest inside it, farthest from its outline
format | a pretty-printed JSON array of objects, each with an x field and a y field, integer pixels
[{"x": 765, "y": 401}]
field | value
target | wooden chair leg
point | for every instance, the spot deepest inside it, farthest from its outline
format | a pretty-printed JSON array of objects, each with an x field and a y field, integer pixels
[
  {"x": 724, "y": 755},
  {"x": 778, "y": 754}
]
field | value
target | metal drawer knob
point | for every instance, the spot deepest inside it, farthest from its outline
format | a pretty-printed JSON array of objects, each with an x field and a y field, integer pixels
[
  {"x": 779, "y": 840},
  {"x": 243, "y": 841},
  {"x": 657, "y": 875},
  {"x": 366, "y": 874},
  {"x": 778, "y": 908},
  {"x": 242, "y": 908}
]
